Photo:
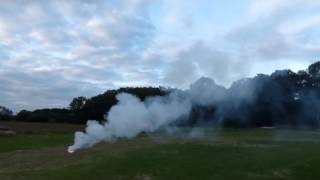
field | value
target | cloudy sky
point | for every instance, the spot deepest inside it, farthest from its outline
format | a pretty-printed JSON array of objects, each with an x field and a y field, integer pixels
[{"x": 52, "y": 51}]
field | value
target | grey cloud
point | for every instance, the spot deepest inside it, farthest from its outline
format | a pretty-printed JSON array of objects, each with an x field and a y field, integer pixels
[
  {"x": 202, "y": 60},
  {"x": 50, "y": 55},
  {"x": 263, "y": 41},
  {"x": 180, "y": 73},
  {"x": 39, "y": 89},
  {"x": 66, "y": 48}
]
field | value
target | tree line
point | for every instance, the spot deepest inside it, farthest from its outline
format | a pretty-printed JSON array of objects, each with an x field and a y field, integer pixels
[
  {"x": 284, "y": 98},
  {"x": 81, "y": 108}
]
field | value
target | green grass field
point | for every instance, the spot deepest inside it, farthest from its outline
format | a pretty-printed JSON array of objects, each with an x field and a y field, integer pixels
[{"x": 218, "y": 155}]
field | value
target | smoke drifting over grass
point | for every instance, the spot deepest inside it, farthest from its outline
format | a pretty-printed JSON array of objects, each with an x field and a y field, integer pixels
[
  {"x": 130, "y": 116},
  {"x": 283, "y": 99}
]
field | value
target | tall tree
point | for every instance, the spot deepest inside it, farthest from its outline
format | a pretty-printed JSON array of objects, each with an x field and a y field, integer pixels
[
  {"x": 5, "y": 113},
  {"x": 77, "y": 103}
]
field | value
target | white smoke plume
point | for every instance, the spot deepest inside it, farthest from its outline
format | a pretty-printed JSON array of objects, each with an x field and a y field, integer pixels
[{"x": 130, "y": 116}]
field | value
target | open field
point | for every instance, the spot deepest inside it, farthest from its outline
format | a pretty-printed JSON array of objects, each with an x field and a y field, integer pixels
[
  {"x": 36, "y": 128},
  {"x": 219, "y": 154}
]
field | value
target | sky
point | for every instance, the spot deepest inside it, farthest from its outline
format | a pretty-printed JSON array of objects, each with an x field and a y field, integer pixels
[{"x": 53, "y": 51}]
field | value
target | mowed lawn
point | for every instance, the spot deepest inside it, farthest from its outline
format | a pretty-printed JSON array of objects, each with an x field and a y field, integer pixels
[{"x": 218, "y": 155}]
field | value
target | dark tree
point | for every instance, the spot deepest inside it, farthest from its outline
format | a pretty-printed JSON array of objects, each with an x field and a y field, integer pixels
[
  {"x": 314, "y": 69},
  {"x": 22, "y": 115},
  {"x": 98, "y": 106},
  {"x": 82, "y": 109},
  {"x": 5, "y": 113},
  {"x": 77, "y": 103}
]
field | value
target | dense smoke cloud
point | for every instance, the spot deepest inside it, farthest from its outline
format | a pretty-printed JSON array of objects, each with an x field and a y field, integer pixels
[
  {"x": 283, "y": 99},
  {"x": 131, "y": 116}
]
